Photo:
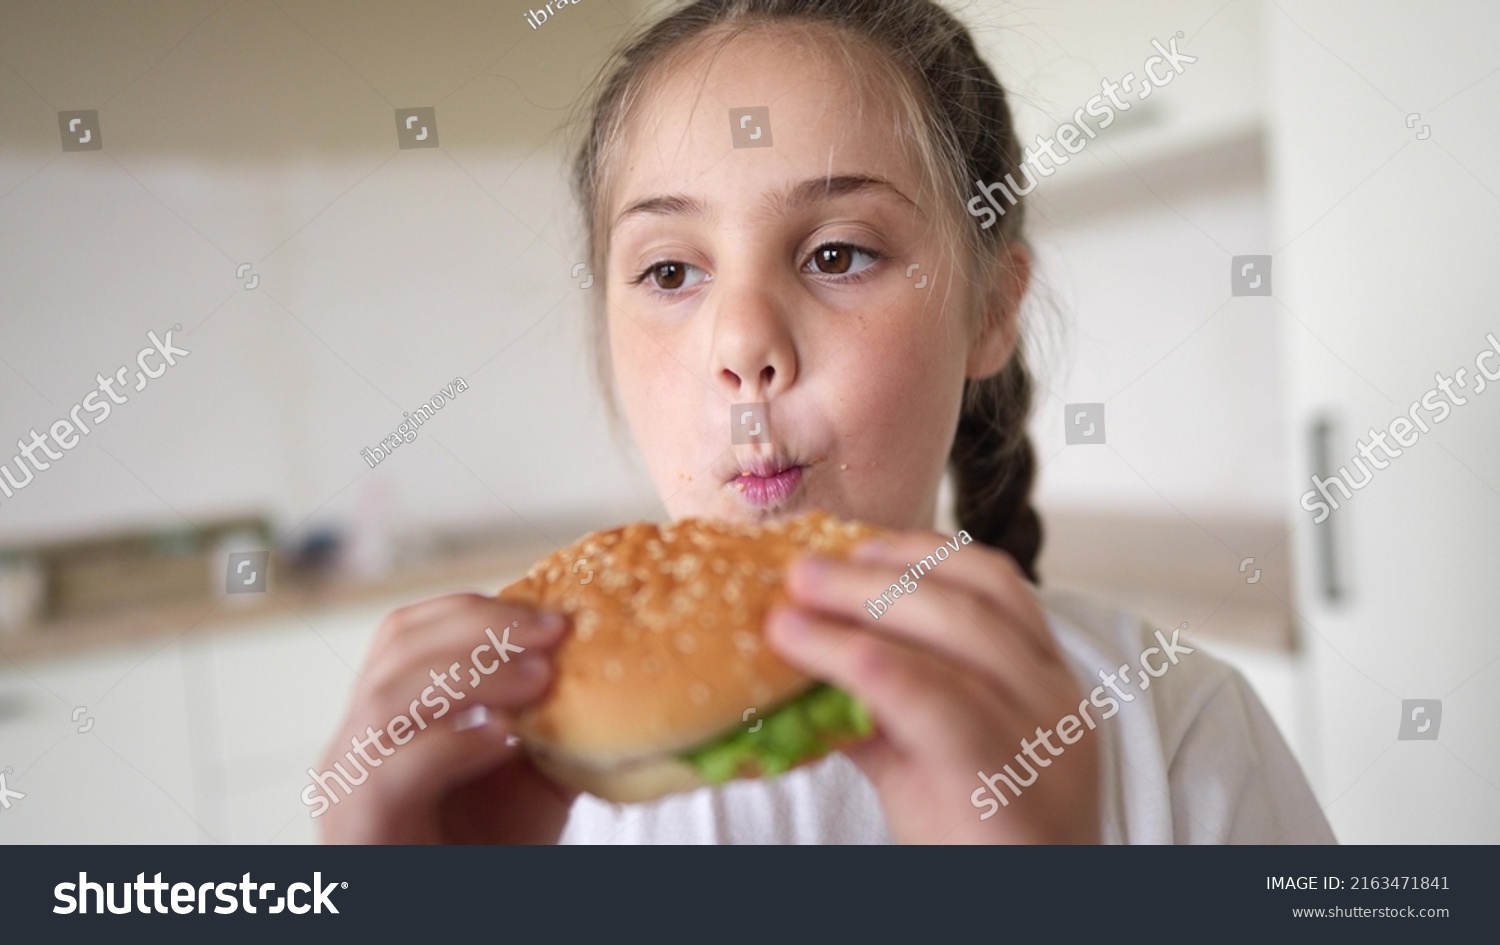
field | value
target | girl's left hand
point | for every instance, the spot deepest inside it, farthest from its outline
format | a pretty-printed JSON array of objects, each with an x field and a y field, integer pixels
[{"x": 955, "y": 675}]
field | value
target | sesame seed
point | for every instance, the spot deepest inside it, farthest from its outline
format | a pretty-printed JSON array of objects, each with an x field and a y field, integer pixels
[
  {"x": 613, "y": 671},
  {"x": 699, "y": 693},
  {"x": 686, "y": 642}
]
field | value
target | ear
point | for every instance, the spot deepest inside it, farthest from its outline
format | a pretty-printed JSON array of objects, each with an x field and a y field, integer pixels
[{"x": 999, "y": 329}]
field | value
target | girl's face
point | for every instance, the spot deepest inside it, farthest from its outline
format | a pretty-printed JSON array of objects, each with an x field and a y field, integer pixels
[{"x": 778, "y": 276}]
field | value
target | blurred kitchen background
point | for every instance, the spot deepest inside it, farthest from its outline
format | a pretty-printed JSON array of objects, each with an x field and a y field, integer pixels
[{"x": 250, "y": 188}]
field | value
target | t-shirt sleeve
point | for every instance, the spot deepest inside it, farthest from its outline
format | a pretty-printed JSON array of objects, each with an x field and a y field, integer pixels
[{"x": 1233, "y": 778}]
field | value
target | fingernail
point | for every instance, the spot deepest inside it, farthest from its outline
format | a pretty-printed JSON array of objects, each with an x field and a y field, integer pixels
[
  {"x": 550, "y": 621},
  {"x": 788, "y": 623},
  {"x": 871, "y": 549},
  {"x": 471, "y": 718},
  {"x": 812, "y": 567},
  {"x": 532, "y": 667}
]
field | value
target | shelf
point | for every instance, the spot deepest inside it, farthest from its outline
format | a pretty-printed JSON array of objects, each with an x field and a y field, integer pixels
[
  {"x": 1171, "y": 570},
  {"x": 480, "y": 570}
]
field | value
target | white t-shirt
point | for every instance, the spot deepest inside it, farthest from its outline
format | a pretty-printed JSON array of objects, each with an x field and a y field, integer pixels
[{"x": 1193, "y": 758}]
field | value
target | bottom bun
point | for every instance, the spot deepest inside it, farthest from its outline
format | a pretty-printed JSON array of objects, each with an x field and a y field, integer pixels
[
  {"x": 632, "y": 783},
  {"x": 646, "y": 779}
]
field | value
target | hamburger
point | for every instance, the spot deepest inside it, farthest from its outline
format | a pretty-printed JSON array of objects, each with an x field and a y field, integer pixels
[{"x": 666, "y": 683}]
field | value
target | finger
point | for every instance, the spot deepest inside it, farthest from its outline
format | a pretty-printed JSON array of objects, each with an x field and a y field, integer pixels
[
  {"x": 954, "y": 621},
  {"x": 424, "y": 688},
  {"x": 986, "y": 571},
  {"x": 465, "y": 633},
  {"x": 475, "y": 611},
  {"x": 951, "y": 621},
  {"x": 917, "y": 699},
  {"x": 426, "y": 765}
]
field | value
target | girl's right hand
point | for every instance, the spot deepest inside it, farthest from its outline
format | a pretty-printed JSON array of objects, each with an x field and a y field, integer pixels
[{"x": 456, "y": 780}]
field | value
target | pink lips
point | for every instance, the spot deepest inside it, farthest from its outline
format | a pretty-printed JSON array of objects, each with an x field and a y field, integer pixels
[{"x": 770, "y": 488}]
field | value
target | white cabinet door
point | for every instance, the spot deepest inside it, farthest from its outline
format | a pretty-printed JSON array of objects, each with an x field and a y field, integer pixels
[
  {"x": 1386, "y": 171},
  {"x": 281, "y": 687},
  {"x": 105, "y": 748}
]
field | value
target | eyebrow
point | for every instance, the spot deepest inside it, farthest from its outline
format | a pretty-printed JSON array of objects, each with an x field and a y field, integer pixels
[{"x": 798, "y": 195}]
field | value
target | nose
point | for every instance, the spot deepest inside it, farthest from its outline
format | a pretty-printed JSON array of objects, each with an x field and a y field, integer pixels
[{"x": 754, "y": 355}]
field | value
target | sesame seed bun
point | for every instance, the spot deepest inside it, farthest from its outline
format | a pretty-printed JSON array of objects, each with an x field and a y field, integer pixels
[{"x": 666, "y": 650}]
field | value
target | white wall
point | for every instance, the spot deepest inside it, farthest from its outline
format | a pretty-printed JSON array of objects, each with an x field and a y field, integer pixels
[{"x": 249, "y": 134}]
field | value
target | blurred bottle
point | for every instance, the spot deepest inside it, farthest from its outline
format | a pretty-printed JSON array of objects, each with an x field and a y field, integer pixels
[
  {"x": 23, "y": 593},
  {"x": 371, "y": 548}
]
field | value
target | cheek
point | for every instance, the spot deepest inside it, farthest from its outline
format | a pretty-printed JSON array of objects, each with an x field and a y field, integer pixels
[
  {"x": 902, "y": 377},
  {"x": 652, "y": 384}
]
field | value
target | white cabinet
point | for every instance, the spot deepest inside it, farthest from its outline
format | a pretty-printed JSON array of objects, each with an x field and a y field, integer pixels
[
  {"x": 1384, "y": 151},
  {"x": 280, "y": 690},
  {"x": 206, "y": 738},
  {"x": 124, "y": 771}
]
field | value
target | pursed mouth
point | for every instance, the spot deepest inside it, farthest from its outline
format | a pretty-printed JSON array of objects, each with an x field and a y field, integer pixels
[
  {"x": 765, "y": 467},
  {"x": 767, "y": 481}
]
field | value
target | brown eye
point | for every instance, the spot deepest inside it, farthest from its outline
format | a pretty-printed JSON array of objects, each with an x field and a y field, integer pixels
[
  {"x": 669, "y": 275},
  {"x": 841, "y": 259},
  {"x": 833, "y": 259}
]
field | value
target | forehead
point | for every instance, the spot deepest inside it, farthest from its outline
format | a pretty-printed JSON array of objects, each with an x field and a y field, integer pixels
[{"x": 831, "y": 110}]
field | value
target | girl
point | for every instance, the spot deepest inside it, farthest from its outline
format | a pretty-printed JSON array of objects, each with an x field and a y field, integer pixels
[{"x": 758, "y": 180}]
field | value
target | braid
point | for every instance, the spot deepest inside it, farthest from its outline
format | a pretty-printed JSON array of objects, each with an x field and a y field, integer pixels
[{"x": 994, "y": 466}]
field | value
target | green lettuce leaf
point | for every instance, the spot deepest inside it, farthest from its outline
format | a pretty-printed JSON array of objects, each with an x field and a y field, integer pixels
[{"x": 802, "y": 728}]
